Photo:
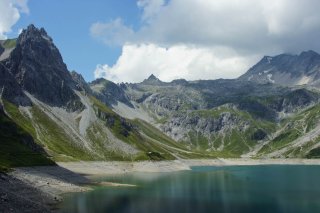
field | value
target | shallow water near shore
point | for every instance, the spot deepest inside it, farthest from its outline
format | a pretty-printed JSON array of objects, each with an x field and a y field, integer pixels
[{"x": 263, "y": 188}]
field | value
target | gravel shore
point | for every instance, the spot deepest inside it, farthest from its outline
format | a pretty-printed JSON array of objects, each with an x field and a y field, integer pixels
[
  {"x": 38, "y": 189},
  {"x": 118, "y": 167}
]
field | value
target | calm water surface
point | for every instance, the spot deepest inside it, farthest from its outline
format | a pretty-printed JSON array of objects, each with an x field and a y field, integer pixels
[{"x": 207, "y": 189}]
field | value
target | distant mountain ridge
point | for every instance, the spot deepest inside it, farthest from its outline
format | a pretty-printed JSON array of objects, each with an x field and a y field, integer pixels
[
  {"x": 286, "y": 69},
  {"x": 272, "y": 110}
]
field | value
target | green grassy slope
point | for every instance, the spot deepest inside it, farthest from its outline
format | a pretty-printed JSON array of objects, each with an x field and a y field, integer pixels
[
  {"x": 291, "y": 129},
  {"x": 62, "y": 146},
  {"x": 48, "y": 134},
  {"x": 15, "y": 147}
]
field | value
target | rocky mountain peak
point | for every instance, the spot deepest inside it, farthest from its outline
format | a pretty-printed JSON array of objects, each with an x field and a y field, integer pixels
[
  {"x": 152, "y": 77},
  {"x": 33, "y": 33},
  {"x": 36, "y": 44},
  {"x": 38, "y": 68},
  {"x": 152, "y": 80},
  {"x": 286, "y": 69}
]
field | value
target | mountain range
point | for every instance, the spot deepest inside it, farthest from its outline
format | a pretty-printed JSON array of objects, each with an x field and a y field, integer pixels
[{"x": 48, "y": 113}]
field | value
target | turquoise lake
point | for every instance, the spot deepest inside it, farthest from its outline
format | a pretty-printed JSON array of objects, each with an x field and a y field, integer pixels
[{"x": 207, "y": 189}]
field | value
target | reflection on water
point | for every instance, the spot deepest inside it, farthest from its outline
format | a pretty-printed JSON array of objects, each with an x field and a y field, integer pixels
[{"x": 207, "y": 189}]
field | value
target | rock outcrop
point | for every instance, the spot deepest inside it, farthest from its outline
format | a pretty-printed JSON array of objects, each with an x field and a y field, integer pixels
[{"x": 81, "y": 84}]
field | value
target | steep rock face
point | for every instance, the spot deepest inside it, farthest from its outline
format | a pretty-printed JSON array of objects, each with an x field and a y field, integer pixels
[
  {"x": 10, "y": 89},
  {"x": 286, "y": 69},
  {"x": 180, "y": 125},
  {"x": 38, "y": 67}
]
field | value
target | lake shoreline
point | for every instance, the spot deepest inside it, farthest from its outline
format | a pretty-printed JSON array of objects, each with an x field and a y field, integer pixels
[
  {"x": 120, "y": 167},
  {"x": 39, "y": 188},
  {"x": 50, "y": 183}
]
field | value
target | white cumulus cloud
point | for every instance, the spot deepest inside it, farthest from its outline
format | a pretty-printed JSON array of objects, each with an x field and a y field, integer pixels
[
  {"x": 10, "y": 13},
  {"x": 246, "y": 28},
  {"x": 179, "y": 61}
]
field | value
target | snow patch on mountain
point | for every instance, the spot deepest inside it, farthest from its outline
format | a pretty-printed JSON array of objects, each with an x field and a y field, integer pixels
[
  {"x": 304, "y": 80},
  {"x": 269, "y": 76}
]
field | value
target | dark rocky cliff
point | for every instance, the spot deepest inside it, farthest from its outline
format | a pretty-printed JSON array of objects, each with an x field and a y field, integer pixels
[{"x": 38, "y": 68}]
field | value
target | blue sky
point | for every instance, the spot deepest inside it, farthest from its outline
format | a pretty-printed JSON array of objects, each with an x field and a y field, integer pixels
[
  {"x": 69, "y": 23},
  {"x": 127, "y": 40}
]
